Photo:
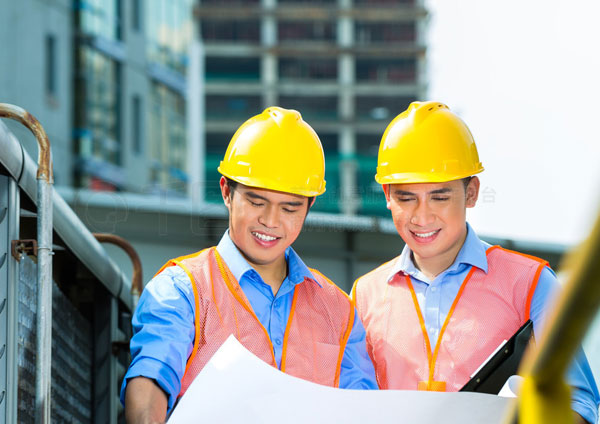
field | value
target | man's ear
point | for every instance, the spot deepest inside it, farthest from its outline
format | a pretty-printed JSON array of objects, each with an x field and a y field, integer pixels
[
  {"x": 386, "y": 192},
  {"x": 472, "y": 192},
  {"x": 226, "y": 192}
]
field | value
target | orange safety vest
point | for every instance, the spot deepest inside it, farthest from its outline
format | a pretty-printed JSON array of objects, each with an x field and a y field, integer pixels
[
  {"x": 488, "y": 309},
  {"x": 318, "y": 327}
]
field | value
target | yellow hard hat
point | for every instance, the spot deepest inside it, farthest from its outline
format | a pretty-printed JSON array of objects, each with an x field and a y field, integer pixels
[
  {"x": 276, "y": 150},
  {"x": 427, "y": 143}
]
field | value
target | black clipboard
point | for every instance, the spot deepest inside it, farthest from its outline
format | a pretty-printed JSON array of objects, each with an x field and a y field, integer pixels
[{"x": 504, "y": 363}]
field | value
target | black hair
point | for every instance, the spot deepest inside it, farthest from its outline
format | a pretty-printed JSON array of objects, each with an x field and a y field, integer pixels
[
  {"x": 466, "y": 182},
  {"x": 233, "y": 185}
]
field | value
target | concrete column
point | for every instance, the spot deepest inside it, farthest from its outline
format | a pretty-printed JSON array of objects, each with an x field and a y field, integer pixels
[
  {"x": 268, "y": 34},
  {"x": 196, "y": 128},
  {"x": 350, "y": 201},
  {"x": 421, "y": 25}
]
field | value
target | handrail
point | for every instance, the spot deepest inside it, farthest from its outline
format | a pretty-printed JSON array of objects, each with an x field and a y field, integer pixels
[
  {"x": 544, "y": 396},
  {"x": 136, "y": 279},
  {"x": 44, "y": 268}
]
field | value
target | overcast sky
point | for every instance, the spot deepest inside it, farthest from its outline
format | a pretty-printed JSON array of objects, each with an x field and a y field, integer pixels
[{"x": 524, "y": 76}]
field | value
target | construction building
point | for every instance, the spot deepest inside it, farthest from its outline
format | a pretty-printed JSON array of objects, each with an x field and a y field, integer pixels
[{"x": 347, "y": 66}]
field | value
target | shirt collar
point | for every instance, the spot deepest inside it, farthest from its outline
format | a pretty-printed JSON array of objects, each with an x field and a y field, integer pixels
[
  {"x": 472, "y": 252},
  {"x": 239, "y": 266}
]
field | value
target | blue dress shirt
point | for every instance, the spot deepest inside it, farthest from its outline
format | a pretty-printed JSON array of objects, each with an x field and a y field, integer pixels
[
  {"x": 436, "y": 296},
  {"x": 163, "y": 323}
]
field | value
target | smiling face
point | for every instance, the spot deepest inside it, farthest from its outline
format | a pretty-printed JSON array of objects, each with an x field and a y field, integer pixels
[
  {"x": 431, "y": 219},
  {"x": 263, "y": 223}
]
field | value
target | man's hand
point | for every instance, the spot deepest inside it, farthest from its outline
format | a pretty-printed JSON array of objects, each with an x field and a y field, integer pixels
[
  {"x": 578, "y": 419},
  {"x": 145, "y": 402}
]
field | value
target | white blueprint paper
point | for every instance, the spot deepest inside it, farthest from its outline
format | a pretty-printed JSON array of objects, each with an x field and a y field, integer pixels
[{"x": 237, "y": 387}]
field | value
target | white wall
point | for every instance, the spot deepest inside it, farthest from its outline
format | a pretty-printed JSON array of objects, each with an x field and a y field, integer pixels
[{"x": 524, "y": 76}]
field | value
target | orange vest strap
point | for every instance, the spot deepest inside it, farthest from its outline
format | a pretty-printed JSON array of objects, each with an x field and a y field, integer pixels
[
  {"x": 241, "y": 298},
  {"x": 196, "y": 314},
  {"x": 287, "y": 331},
  {"x": 176, "y": 261},
  {"x": 349, "y": 326}
]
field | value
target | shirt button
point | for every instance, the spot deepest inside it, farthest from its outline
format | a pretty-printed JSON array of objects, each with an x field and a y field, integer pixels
[
  {"x": 278, "y": 341},
  {"x": 431, "y": 330},
  {"x": 434, "y": 289}
]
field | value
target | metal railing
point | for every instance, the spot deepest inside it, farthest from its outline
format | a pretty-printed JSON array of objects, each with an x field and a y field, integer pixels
[
  {"x": 136, "y": 279},
  {"x": 44, "y": 255}
]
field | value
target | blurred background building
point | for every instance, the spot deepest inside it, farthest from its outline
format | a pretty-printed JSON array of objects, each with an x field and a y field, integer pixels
[
  {"x": 108, "y": 78},
  {"x": 109, "y": 81},
  {"x": 135, "y": 154},
  {"x": 138, "y": 125},
  {"x": 347, "y": 66}
]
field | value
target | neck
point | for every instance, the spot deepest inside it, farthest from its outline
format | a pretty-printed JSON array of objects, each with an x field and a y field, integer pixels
[
  {"x": 434, "y": 266},
  {"x": 273, "y": 273}
]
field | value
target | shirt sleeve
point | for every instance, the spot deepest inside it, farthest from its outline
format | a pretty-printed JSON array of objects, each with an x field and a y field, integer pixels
[
  {"x": 357, "y": 369},
  {"x": 163, "y": 332},
  {"x": 585, "y": 397}
]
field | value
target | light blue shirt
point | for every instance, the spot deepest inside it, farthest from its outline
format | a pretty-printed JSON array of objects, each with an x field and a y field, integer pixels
[
  {"x": 436, "y": 296},
  {"x": 163, "y": 323}
]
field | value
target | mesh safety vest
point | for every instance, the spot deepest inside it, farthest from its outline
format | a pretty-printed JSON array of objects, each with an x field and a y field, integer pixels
[
  {"x": 318, "y": 327},
  {"x": 488, "y": 309}
]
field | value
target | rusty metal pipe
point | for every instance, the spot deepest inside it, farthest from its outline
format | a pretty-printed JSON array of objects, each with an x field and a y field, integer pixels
[
  {"x": 43, "y": 360},
  {"x": 136, "y": 279},
  {"x": 27, "y": 119}
]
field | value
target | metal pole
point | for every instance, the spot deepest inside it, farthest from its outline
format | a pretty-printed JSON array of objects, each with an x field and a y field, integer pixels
[
  {"x": 44, "y": 267},
  {"x": 544, "y": 396}
]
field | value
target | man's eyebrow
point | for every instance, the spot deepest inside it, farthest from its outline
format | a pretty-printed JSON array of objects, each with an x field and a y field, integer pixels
[
  {"x": 294, "y": 204},
  {"x": 404, "y": 193},
  {"x": 441, "y": 191},
  {"x": 410, "y": 193},
  {"x": 253, "y": 195}
]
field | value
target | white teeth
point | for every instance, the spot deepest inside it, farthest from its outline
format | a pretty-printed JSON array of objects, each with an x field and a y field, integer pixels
[
  {"x": 264, "y": 237},
  {"x": 423, "y": 235}
]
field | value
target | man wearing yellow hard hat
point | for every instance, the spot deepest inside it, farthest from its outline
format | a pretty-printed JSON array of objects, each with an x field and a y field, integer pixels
[
  {"x": 252, "y": 284},
  {"x": 436, "y": 312}
]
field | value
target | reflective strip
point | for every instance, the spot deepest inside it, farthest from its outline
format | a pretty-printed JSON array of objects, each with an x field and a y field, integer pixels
[
  {"x": 242, "y": 301},
  {"x": 176, "y": 261},
  {"x": 349, "y": 325},
  {"x": 287, "y": 330},
  {"x": 343, "y": 343},
  {"x": 196, "y": 316},
  {"x": 534, "y": 284}
]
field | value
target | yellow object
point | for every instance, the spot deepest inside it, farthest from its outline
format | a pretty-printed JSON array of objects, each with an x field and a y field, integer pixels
[
  {"x": 276, "y": 150},
  {"x": 432, "y": 386},
  {"x": 549, "y": 406},
  {"x": 427, "y": 143}
]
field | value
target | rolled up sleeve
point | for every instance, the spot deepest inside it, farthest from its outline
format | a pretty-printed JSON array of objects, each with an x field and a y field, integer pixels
[{"x": 163, "y": 332}]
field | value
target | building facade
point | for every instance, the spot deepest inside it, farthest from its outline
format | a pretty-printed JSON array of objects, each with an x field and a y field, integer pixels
[{"x": 107, "y": 80}]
